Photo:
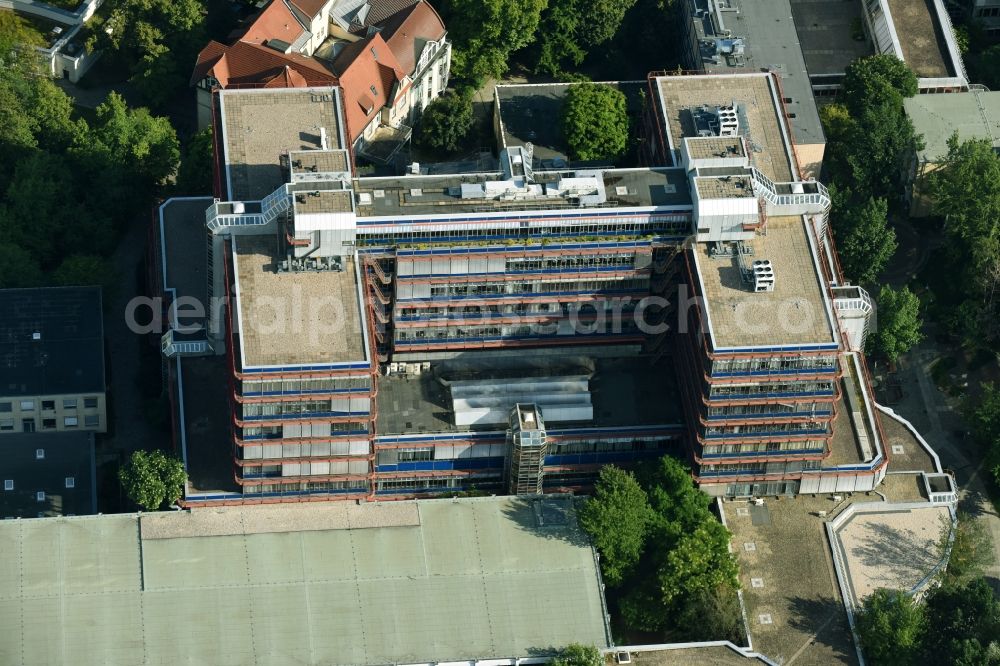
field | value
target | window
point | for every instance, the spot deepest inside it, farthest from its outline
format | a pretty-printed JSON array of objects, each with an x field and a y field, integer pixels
[
  {"x": 8, "y": 484},
  {"x": 27, "y": 405},
  {"x": 69, "y": 403},
  {"x": 40, "y": 496},
  {"x": 71, "y": 421},
  {"x": 27, "y": 425},
  {"x": 39, "y": 454},
  {"x": 71, "y": 482},
  {"x": 416, "y": 454},
  {"x": 48, "y": 405},
  {"x": 48, "y": 424},
  {"x": 91, "y": 420},
  {"x": 90, "y": 403},
  {"x": 372, "y": 88},
  {"x": 5, "y": 407},
  {"x": 7, "y": 424}
]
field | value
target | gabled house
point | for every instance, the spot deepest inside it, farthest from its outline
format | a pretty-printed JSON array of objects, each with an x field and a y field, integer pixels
[{"x": 391, "y": 57}]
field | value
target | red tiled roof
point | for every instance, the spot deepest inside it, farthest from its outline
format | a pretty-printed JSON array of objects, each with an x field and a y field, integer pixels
[
  {"x": 276, "y": 22},
  {"x": 244, "y": 62},
  {"x": 207, "y": 58},
  {"x": 287, "y": 78},
  {"x": 408, "y": 31},
  {"x": 368, "y": 80}
]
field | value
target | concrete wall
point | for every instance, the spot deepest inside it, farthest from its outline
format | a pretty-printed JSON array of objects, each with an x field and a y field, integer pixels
[{"x": 810, "y": 158}]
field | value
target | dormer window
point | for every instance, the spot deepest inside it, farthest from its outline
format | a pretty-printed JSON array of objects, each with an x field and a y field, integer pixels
[{"x": 374, "y": 54}]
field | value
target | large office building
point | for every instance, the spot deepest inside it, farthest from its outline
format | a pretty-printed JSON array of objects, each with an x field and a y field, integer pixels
[
  {"x": 52, "y": 347},
  {"x": 513, "y": 330}
]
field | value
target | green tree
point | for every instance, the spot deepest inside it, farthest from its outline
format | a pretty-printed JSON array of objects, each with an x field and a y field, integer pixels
[
  {"x": 17, "y": 267},
  {"x": 445, "y": 122},
  {"x": 195, "y": 173},
  {"x": 595, "y": 122},
  {"x": 15, "y": 31},
  {"x": 713, "y": 614},
  {"x": 153, "y": 479},
  {"x": 867, "y": 78},
  {"x": 156, "y": 40},
  {"x": 486, "y": 32},
  {"x": 971, "y": 551},
  {"x": 134, "y": 139},
  {"x": 966, "y": 192},
  {"x": 700, "y": 561},
  {"x": 963, "y": 625},
  {"x": 898, "y": 322},
  {"x": 865, "y": 240},
  {"x": 891, "y": 626},
  {"x": 617, "y": 518},
  {"x": 569, "y": 27},
  {"x": 985, "y": 422},
  {"x": 576, "y": 654},
  {"x": 85, "y": 270}
]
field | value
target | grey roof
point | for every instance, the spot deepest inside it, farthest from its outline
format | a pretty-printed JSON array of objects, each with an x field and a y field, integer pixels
[
  {"x": 321, "y": 583},
  {"x": 67, "y": 357},
  {"x": 974, "y": 115},
  {"x": 770, "y": 43},
  {"x": 65, "y": 454}
]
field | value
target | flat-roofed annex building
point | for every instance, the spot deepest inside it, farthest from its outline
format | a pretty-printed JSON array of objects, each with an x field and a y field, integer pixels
[
  {"x": 52, "y": 371},
  {"x": 326, "y": 583}
]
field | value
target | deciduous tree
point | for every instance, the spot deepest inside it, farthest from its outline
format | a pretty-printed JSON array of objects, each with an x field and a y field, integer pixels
[
  {"x": 576, "y": 654},
  {"x": 486, "y": 32},
  {"x": 864, "y": 238},
  {"x": 446, "y": 122},
  {"x": 595, "y": 122},
  {"x": 153, "y": 479},
  {"x": 963, "y": 625},
  {"x": 899, "y": 322},
  {"x": 617, "y": 518},
  {"x": 891, "y": 625}
]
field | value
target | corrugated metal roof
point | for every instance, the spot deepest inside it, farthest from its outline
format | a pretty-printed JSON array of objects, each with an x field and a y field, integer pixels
[{"x": 475, "y": 578}]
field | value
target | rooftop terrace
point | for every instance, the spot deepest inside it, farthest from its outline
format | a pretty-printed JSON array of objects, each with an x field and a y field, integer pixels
[
  {"x": 259, "y": 126},
  {"x": 795, "y": 313},
  {"x": 920, "y": 36},
  {"x": 624, "y": 391},
  {"x": 760, "y": 119},
  {"x": 435, "y": 581},
  {"x": 295, "y": 318},
  {"x": 441, "y": 195}
]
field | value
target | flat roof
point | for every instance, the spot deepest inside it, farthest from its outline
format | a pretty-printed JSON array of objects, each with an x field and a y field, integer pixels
[
  {"x": 771, "y": 42},
  {"x": 66, "y": 456},
  {"x": 67, "y": 354},
  {"x": 259, "y": 126},
  {"x": 295, "y": 318},
  {"x": 472, "y": 578},
  {"x": 797, "y": 589},
  {"x": 826, "y": 33},
  {"x": 757, "y": 101},
  {"x": 690, "y": 654},
  {"x": 890, "y": 546},
  {"x": 974, "y": 115},
  {"x": 532, "y": 113},
  {"x": 625, "y": 391},
  {"x": 920, "y": 37},
  {"x": 795, "y": 313},
  {"x": 440, "y": 195},
  {"x": 184, "y": 250}
]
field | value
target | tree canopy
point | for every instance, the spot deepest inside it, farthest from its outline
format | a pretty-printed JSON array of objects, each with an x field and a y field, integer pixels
[
  {"x": 617, "y": 518},
  {"x": 445, "y": 122},
  {"x": 867, "y": 79},
  {"x": 667, "y": 554},
  {"x": 66, "y": 187},
  {"x": 864, "y": 238},
  {"x": 898, "y": 324},
  {"x": 965, "y": 190},
  {"x": 157, "y": 40},
  {"x": 891, "y": 626},
  {"x": 152, "y": 479},
  {"x": 595, "y": 122},
  {"x": 568, "y": 28},
  {"x": 486, "y": 32},
  {"x": 985, "y": 421}
]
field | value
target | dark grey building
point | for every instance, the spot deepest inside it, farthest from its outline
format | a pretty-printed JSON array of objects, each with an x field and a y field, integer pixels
[{"x": 47, "y": 474}]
